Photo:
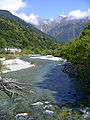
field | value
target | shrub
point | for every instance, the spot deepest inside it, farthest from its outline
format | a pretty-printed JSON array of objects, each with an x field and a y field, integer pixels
[
  {"x": 8, "y": 57},
  {"x": 2, "y": 51},
  {"x": 1, "y": 65},
  {"x": 32, "y": 62}
]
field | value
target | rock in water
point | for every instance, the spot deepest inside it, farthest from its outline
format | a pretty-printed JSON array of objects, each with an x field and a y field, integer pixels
[
  {"x": 21, "y": 116},
  {"x": 48, "y": 112},
  {"x": 37, "y": 104}
]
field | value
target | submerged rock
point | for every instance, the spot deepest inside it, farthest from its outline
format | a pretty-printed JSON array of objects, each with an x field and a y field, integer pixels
[
  {"x": 46, "y": 102},
  {"x": 37, "y": 104},
  {"x": 21, "y": 116},
  {"x": 48, "y": 112},
  {"x": 47, "y": 106},
  {"x": 86, "y": 115},
  {"x": 86, "y": 112}
]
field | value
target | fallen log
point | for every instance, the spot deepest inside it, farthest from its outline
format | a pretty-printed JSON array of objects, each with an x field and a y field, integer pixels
[{"x": 5, "y": 86}]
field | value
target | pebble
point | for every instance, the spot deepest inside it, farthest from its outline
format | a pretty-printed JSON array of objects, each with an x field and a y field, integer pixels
[
  {"x": 46, "y": 102},
  {"x": 86, "y": 112},
  {"x": 49, "y": 112},
  {"x": 21, "y": 116},
  {"x": 47, "y": 106},
  {"x": 86, "y": 115}
]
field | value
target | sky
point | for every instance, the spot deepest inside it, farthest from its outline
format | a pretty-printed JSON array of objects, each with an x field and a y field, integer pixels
[
  {"x": 32, "y": 9},
  {"x": 52, "y": 8}
]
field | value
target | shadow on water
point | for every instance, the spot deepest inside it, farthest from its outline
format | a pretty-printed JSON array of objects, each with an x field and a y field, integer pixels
[
  {"x": 67, "y": 90},
  {"x": 53, "y": 85}
]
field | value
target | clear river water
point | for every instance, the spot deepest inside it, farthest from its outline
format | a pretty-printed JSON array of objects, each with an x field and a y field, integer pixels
[{"x": 46, "y": 82}]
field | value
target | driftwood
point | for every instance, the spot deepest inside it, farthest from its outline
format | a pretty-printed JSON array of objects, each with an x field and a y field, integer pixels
[{"x": 6, "y": 85}]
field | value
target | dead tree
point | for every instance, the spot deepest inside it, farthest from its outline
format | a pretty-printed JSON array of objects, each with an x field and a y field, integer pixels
[{"x": 7, "y": 85}]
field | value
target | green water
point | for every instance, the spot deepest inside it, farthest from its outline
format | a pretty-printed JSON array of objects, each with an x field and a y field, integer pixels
[
  {"x": 44, "y": 82},
  {"x": 31, "y": 76}
]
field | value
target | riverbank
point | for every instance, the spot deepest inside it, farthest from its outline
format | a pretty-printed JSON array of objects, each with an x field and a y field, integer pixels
[
  {"x": 44, "y": 92},
  {"x": 80, "y": 74},
  {"x": 48, "y": 57},
  {"x": 18, "y": 64},
  {"x": 15, "y": 65}
]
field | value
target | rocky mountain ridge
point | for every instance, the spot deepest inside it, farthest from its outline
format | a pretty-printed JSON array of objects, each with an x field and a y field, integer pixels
[{"x": 62, "y": 28}]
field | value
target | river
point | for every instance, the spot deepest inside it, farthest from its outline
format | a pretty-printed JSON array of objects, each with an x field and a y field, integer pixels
[{"x": 47, "y": 82}]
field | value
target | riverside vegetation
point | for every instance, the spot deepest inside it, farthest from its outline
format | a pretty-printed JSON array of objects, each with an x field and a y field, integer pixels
[
  {"x": 77, "y": 52},
  {"x": 15, "y": 34}
]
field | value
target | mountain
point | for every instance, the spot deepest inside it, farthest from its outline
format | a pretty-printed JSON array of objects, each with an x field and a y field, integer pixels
[
  {"x": 14, "y": 18},
  {"x": 46, "y": 25},
  {"x": 62, "y": 28},
  {"x": 77, "y": 50},
  {"x": 68, "y": 29},
  {"x": 16, "y": 32}
]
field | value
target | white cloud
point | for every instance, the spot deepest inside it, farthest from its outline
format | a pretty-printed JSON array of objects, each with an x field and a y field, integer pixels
[
  {"x": 34, "y": 19},
  {"x": 63, "y": 16},
  {"x": 28, "y": 18},
  {"x": 14, "y": 5},
  {"x": 11, "y": 5},
  {"x": 78, "y": 14}
]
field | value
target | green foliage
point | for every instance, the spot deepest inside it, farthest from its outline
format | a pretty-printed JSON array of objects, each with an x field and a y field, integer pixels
[
  {"x": 2, "y": 42},
  {"x": 16, "y": 19},
  {"x": 1, "y": 65},
  {"x": 8, "y": 52},
  {"x": 77, "y": 51},
  {"x": 2, "y": 51},
  {"x": 8, "y": 57},
  {"x": 14, "y": 33}
]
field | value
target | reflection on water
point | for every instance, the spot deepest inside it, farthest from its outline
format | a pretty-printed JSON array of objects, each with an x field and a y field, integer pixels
[
  {"x": 49, "y": 83},
  {"x": 67, "y": 89}
]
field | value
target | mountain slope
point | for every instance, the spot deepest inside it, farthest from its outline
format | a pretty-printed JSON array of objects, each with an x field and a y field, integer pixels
[
  {"x": 67, "y": 30},
  {"x": 14, "y": 33},
  {"x": 46, "y": 25},
  {"x": 62, "y": 28},
  {"x": 14, "y": 18},
  {"x": 77, "y": 51}
]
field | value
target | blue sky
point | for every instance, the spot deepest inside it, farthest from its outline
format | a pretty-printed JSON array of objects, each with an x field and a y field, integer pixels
[
  {"x": 30, "y": 10},
  {"x": 52, "y": 8}
]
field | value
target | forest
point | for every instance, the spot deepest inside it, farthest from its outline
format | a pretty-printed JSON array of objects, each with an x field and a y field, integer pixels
[
  {"x": 77, "y": 51},
  {"x": 15, "y": 34},
  {"x": 61, "y": 87}
]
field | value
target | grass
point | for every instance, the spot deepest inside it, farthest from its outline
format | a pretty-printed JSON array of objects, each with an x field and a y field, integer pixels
[{"x": 7, "y": 56}]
